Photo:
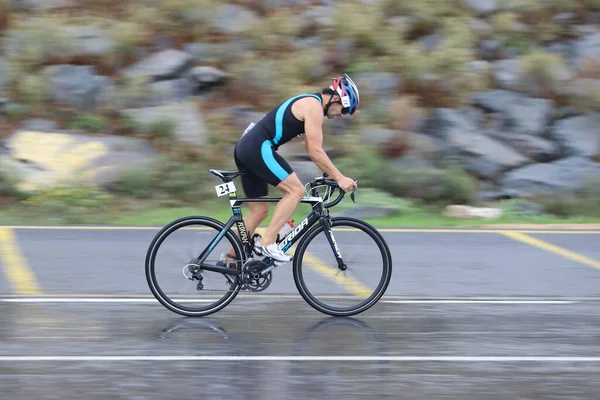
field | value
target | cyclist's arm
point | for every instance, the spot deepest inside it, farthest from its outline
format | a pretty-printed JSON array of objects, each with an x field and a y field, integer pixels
[{"x": 313, "y": 127}]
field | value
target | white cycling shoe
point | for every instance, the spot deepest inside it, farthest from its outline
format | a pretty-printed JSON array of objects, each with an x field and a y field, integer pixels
[{"x": 271, "y": 251}]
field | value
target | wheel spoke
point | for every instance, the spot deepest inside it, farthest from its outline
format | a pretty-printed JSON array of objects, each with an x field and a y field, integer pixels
[
  {"x": 208, "y": 292},
  {"x": 318, "y": 277}
]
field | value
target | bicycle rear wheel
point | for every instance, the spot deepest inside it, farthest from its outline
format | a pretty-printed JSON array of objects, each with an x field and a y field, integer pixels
[
  {"x": 333, "y": 291},
  {"x": 179, "y": 284}
]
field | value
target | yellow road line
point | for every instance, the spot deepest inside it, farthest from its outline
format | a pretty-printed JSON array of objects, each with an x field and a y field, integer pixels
[
  {"x": 350, "y": 284},
  {"x": 393, "y": 230},
  {"x": 16, "y": 270},
  {"x": 552, "y": 248}
]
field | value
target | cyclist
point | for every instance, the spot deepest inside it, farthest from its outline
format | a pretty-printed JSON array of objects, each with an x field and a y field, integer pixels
[{"x": 255, "y": 154}]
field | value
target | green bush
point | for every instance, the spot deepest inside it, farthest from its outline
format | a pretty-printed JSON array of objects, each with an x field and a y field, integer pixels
[
  {"x": 71, "y": 204},
  {"x": 8, "y": 183},
  {"x": 137, "y": 182},
  {"x": 585, "y": 203},
  {"x": 88, "y": 122},
  {"x": 433, "y": 186}
]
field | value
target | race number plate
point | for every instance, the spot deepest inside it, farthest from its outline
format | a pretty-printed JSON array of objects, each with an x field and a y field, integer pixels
[{"x": 225, "y": 188}]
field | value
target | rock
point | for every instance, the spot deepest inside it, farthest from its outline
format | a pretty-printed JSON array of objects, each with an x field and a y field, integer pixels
[
  {"x": 4, "y": 102},
  {"x": 375, "y": 136},
  {"x": 424, "y": 147},
  {"x": 584, "y": 92},
  {"x": 564, "y": 17},
  {"x": 80, "y": 87},
  {"x": 579, "y": 136},
  {"x": 536, "y": 148},
  {"x": 506, "y": 73},
  {"x": 490, "y": 49},
  {"x": 566, "y": 174},
  {"x": 213, "y": 52},
  {"x": 495, "y": 100},
  {"x": 38, "y": 125},
  {"x": 587, "y": 47},
  {"x": 40, "y": 5},
  {"x": 480, "y": 27},
  {"x": 529, "y": 116},
  {"x": 232, "y": 19},
  {"x": 241, "y": 116},
  {"x": 43, "y": 159},
  {"x": 462, "y": 141},
  {"x": 462, "y": 211},
  {"x": 273, "y": 5},
  {"x": 316, "y": 18},
  {"x": 205, "y": 77},
  {"x": 172, "y": 90},
  {"x": 476, "y": 144},
  {"x": 381, "y": 86},
  {"x": 485, "y": 168},
  {"x": 444, "y": 120},
  {"x": 3, "y": 75},
  {"x": 477, "y": 67},
  {"x": 430, "y": 42},
  {"x": 189, "y": 123},
  {"x": 481, "y": 7},
  {"x": 497, "y": 195},
  {"x": 88, "y": 40},
  {"x": 165, "y": 64}
]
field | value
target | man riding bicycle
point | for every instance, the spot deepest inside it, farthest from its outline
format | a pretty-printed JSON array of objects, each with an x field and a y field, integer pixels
[{"x": 255, "y": 155}]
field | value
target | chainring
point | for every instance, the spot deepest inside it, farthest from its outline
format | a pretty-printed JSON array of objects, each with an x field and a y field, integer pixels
[{"x": 253, "y": 277}]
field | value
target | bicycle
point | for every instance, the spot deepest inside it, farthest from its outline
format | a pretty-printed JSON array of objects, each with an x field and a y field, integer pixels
[{"x": 249, "y": 272}]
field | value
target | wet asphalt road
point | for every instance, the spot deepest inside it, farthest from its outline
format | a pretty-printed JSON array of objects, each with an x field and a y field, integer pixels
[{"x": 543, "y": 344}]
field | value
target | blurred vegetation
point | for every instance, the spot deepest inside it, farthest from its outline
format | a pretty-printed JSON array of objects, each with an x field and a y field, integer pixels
[{"x": 430, "y": 45}]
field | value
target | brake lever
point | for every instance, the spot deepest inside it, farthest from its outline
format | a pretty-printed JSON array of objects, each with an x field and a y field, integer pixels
[{"x": 352, "y": 195}]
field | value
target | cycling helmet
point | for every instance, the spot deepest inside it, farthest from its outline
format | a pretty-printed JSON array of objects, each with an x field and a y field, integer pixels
[{"x": 348, "y": 92}]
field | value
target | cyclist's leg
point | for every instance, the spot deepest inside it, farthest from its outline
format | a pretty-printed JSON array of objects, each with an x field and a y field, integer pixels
[
  {"x": 293, "y": 191},
  {"x": 254, "y": 153},
  {"x": 254, "y": 186}
]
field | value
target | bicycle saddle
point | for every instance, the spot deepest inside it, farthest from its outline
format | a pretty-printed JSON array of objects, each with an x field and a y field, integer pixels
[{"x": 226, "y": 175}]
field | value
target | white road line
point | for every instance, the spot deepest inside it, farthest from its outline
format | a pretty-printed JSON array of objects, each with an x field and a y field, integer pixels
[
  {"x": 479, "y": 301},
  {"x": 152, "y": 300},
  {"x": 500, "y": 359}
]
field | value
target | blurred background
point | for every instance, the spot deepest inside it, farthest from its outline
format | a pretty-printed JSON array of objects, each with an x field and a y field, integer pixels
[
  {"x": 473, "y": 112},
  {"x": 113, "y": 111}
]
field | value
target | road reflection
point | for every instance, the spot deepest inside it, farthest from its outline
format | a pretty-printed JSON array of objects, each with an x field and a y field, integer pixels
[{"x": 251, "y": 379}]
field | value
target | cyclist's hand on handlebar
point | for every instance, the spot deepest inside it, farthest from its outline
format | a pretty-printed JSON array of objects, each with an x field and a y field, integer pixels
[{"x": 347, "y": 184}]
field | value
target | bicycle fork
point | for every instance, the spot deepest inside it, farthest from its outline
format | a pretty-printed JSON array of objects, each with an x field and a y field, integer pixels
[{"x": 331, "y": 239}]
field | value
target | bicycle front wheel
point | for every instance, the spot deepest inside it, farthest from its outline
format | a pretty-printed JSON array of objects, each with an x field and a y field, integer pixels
[
  {"x": 184, "y": 287},
  {"x": 365, "y": 255}
]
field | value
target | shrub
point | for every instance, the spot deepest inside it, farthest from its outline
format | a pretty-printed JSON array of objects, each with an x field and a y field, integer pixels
[
  {"x": 126, "y": 35},
  {"x": 367, "y": 21},
  {"x": 404, "y": 112},
  {"x": 433, "y": 186},
  {"x": 539, "y": 73},
  {"x": 88, "y": 122},
  {"x": 34, "y": 89},
  {"x": 9, "y": 182},
  {"x": 137, "y": 182},
  {"x": 74, "y": 204},
  {"x": 35, "y": 41},
  {"x": 585, "y": 203}
]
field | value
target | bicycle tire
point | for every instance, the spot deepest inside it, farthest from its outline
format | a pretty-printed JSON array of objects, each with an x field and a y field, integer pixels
[
  {"x": 371, "y": 300},
  {"x": 151, "y": 256}
]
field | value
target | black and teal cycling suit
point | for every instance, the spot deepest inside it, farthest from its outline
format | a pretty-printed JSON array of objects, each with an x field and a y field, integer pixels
[{"x": 255, "y": 152}]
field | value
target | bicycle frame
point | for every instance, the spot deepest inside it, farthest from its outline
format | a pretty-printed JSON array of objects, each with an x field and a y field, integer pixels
[{"x": 318, "y": 213}]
